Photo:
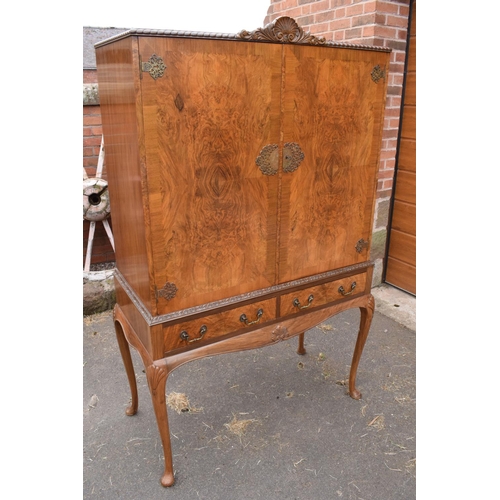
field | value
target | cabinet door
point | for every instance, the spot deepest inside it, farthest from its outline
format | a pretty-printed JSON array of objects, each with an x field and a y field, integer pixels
[
  {"x": 333, "y": 110},
  {"x": 212, "y": 211}
]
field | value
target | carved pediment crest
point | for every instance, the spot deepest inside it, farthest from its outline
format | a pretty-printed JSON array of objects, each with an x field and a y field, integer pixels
[{"x": 284, "y": 30}]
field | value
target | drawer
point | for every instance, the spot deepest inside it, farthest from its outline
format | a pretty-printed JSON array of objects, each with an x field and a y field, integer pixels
[
  {"x": 199, "y": 331},
  {"x": 318, "y": 295}
]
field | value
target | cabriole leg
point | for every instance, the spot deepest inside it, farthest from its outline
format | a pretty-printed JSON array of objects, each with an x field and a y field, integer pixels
[
  {"x": 156, "y": 374},
  {"x": 129, "y": 368},
  {"x": 364, "y": 327}
]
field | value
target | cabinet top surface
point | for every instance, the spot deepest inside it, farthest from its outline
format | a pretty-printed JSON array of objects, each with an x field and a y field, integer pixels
[{"x": 283, "y": 30}]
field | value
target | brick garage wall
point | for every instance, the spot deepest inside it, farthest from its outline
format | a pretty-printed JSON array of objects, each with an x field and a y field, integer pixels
[
  {"x": 102, "y": 251},
  {"x": 369, "y": 22}
]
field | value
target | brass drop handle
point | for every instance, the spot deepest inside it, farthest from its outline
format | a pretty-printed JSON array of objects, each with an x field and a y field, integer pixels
[
  {"x": 244, "y": 319},
  {"x": 296, "y": 302},
  {"x": 343, "y": 292},
  {"x": 185, "y": 335}
]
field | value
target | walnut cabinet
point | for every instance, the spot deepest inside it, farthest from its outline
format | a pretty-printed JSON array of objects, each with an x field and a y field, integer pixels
[{"x": 242, "y": 172}]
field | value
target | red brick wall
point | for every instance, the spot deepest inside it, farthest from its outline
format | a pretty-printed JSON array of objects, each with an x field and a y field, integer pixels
[
  {"x": 102, "y": 251},
  {"x": 92, "y": 133},
  {"x": 369, "y": 22}
]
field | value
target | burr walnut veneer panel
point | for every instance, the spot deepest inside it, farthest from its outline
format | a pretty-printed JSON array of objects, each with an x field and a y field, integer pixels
[
  {"x": 333, "y": 109},
  {"x": 213, "y": 211}
]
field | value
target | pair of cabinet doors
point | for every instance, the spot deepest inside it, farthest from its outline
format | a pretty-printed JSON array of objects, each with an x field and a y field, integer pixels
[{"x": 261, "y": 162}]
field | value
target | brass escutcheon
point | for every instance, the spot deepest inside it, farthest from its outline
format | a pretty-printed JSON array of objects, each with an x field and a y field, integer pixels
[
  {"x": 292, "y": 156},
  {"x": 267, "y": 160}
]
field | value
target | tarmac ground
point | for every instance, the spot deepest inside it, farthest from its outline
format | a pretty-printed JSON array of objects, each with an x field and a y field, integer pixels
[{"x": 266, "y": 423}]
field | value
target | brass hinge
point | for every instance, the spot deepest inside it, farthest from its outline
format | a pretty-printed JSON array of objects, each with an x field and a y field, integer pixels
[
  {"x": 361, "y": 245},
  {"x": 378, "y": 73},
  {"x": 168, "y": 291},
  {"x": 154, "y": 66}
]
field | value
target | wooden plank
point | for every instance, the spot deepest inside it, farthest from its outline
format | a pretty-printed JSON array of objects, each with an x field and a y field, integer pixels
[
  {"x": 409, "y": 125},
  {"x": 402, "y": 275},
  {"x": 404, "y": 217},
  {"x": 411, "y": 89},
  {"x": 407, "y": 155},
  {"x": 413, "y": 27},
  {"x": 403, "y": 247},
  {"x": 401, "y": 262},
  {"x": 412, "y": 55},
  {"x": 406, "y": 187}
]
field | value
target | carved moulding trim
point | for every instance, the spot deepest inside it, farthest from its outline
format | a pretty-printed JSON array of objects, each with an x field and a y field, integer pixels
[
  {"x": 210, "y": 306},
  {"x": 243, "y": 36}
]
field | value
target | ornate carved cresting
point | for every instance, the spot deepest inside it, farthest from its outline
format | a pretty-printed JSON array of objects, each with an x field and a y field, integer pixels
[
  {"x": 154, "y": 66},
  {"x": 292, "y": 156},
  {"x": 284, "y": 30},
  {"x": 267, "y": 160}
]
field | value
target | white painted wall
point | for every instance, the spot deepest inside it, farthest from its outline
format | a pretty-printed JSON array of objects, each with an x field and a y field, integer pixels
[{"x": 223, "y": 16}]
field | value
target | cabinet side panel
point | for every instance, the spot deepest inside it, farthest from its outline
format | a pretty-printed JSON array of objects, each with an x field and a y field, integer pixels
[
  {"x": 213, "y": 211},
  {"x": 117, "y": 70},
  {"x": 140, "y": 326},
  {"x": 333, "y": 109}
]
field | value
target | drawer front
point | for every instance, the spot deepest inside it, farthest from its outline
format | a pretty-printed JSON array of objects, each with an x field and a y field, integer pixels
[
  {"x": 198, "y": 331},
  {"x": 318, "y": 295}
]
